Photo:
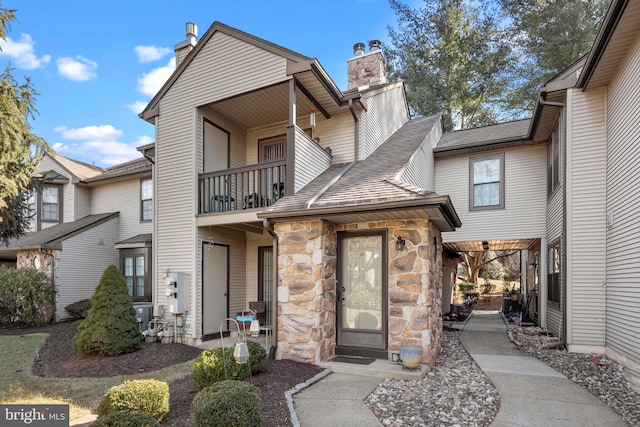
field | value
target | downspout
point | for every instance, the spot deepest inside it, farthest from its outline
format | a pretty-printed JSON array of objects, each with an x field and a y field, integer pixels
[
  {"x": 564, "y": 216},
  {"x": 274, "y": 316},
  {"x": 356, "y": 133}
]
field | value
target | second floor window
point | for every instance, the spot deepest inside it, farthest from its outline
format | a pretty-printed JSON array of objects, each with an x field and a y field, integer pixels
[
  {"x": 486, "y": 182},
  {"x": 51, "y": 204},
  {"x": 146, "y": 200},
  {"x": 272, "y": 149}
]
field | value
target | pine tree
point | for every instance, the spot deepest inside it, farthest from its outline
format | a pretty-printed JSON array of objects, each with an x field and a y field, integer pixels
[
  {"x": 20, "y": 149},
  {"x": 110, "y": 328}
]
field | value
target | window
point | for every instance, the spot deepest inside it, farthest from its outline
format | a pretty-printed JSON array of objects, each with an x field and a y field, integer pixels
[
  {"x": 135, "y": 270},
  {"x": 272, "y": 149},
  {"x": 553, "y": 161},
  {"x": 553, "y": 276},
  {"x": 51, "y": 203},
  {"x": 486, "y": 182},
  {"x": 146, "y": 200},
  {"x": 265, "y": 279}
]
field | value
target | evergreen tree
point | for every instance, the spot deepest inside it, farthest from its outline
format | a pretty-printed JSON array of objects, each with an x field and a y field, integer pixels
[
  {"x": 450, "y": 55},
  {"x": 547, "y": 37},
  {"x": 110, "y": 328},
  {"x": 20, "y": 149}
]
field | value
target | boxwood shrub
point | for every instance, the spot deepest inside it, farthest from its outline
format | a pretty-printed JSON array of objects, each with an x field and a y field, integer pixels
[
  {"x": 79, "y": 309},
  {"x": 227, "y": 403},
  {"x": 26, "y": 296},
  {"x": 126, "y": 419},
  {"x": 209, "y": 366},
  {"x": 150, "y": 397}
]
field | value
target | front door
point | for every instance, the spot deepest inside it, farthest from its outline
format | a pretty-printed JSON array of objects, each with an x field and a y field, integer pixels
[
  {"x": 362, "y": 294},
  {"x": 215, "y": 288}
]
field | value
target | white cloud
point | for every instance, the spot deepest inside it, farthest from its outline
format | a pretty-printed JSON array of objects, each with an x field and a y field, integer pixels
[
  {"x": 137, "y": 106},
  {"x": 79, "y": 69},
  {"x": 150, "y": 53},
  {"x": 100, "y": 133},
  {"x": 151, "y": 82},
  {"x": 103, "y": 149},
  {"x": 23, "y": 52}
]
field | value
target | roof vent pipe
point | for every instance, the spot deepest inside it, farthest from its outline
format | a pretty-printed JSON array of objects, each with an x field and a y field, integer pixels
[
  {"x": 192, "y": 30},
  {"x": 374, "y": 45},
  {"x": 358, "y": 49}
]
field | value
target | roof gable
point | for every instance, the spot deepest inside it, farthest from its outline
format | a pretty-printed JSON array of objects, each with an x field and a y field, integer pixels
[{"x": 219, "y": 41}]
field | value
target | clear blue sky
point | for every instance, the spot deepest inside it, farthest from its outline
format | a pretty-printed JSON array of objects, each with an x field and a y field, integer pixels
[{"x": 97, "y": 64}]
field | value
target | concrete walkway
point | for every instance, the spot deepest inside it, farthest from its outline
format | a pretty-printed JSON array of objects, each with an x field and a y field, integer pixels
[{"x": 531, "y": 393}]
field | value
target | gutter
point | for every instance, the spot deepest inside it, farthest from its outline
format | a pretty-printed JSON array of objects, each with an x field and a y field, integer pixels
[{"x": 609, "y": 24}]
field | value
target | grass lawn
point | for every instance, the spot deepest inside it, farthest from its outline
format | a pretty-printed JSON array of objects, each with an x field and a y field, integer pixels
[{"x": 18, "y": 385}]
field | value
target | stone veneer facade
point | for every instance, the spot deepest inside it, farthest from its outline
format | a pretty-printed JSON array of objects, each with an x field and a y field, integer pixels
[
  {"x": 307, "y": 258},
  {"x": 366, "y": 70}
]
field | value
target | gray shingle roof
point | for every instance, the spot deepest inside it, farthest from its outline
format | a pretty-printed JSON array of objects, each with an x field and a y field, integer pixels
[
  {"x": 128, "y": 168},
  {"x": 370, "y": 181},
  {"x": 58, "y": 233},
  {"x": 139, "y": 238},
  {"x": 484, "y": 136}
]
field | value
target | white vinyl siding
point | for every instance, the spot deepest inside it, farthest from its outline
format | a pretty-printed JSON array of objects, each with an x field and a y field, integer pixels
[
  {"x": 623, "y": 209},
  {"x": 525, "y": 196},
  {"x": 386, "y": 113},
  {"x": 586, "y": 231},
  {"x": 122, "y": 197},
  {"x": 83, "y": 259}
]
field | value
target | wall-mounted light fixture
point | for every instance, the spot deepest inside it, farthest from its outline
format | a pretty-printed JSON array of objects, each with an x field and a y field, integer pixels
[
  {"x": 401, "y": 244},
  {"x": 485, "y": 245},
  {"x": 312, "y": 117}
]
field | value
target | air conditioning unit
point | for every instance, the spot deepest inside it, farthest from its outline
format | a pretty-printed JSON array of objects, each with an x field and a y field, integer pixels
[{"x": 144, "y": 314}]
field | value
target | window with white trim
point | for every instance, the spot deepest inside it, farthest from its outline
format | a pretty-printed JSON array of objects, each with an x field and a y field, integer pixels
[
  {"x": 486, "y": 182},
  {"x": 146, "y": 200},
  {"x": 51, "y": 203}
]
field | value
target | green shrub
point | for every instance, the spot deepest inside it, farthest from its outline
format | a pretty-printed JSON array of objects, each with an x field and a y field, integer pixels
[
  {"x": 227, "y": 404},
  {"x": 487, "y": 287},
  {"x": 126, "y": 419},
  {"x": 110, "y": 328},
  {"x": 79, "y": 309},
  {"x": 26, "y": 296},
  {"x": 150, "y": 397},
  {"x": 466, "y": 287},
  {"x": 209, "y": 368}
]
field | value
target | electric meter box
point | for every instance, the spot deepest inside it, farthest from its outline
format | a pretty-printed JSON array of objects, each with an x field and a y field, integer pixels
[{"x": 175, "y": 292}]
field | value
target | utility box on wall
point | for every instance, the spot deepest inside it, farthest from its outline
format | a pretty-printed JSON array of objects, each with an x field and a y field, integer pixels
[{"x": 175, "y": 292}]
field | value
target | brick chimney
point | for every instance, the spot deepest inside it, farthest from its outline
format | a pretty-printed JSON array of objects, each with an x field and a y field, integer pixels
[
  {"x": 366, "y": 69},
  {"x": 184, "y": 47}
]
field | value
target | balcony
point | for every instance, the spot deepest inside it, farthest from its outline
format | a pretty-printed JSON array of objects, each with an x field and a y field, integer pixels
[{"x": 249, "y": 187}]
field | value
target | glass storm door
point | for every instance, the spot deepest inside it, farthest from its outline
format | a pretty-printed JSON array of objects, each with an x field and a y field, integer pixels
[{"x": 362, "y": 297}]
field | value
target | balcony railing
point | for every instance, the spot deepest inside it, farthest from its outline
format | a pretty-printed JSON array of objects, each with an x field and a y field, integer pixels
[{"x": 249, "y": 187}]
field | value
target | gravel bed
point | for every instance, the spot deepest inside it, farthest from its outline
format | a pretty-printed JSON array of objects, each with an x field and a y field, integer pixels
[
  {"x": 596, "y": 373},
  {"x": 455, "y": 393}
]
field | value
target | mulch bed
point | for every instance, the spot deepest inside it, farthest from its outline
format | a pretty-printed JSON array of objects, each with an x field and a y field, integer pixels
[{"x": 57, "y": 359}]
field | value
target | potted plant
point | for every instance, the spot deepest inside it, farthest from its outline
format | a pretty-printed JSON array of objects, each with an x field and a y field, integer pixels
[{"x": 515, "y": 293}]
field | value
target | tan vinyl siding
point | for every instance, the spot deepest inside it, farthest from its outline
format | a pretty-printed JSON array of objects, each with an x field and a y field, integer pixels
[
  {"x": 122, "y": 197},
  {"x": 256, "y": 134},
  {"x": 386, "y": 113},
  {"x": 338, "y": 133},
  {"x": 623, "y": 206},
  {"x": 237, "y": 273},
  {"x": 311, "y": 160},
  {"x": 586, "y": 218},
  {"x": 230, "y": 67},
  {"x": 525, "y": 196},
  {"x": 82, "y": 199},
  {"x": 254, "y": 241},
  {"x": 83, "y": 259},
  {"x": 421, "y": 168}
]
